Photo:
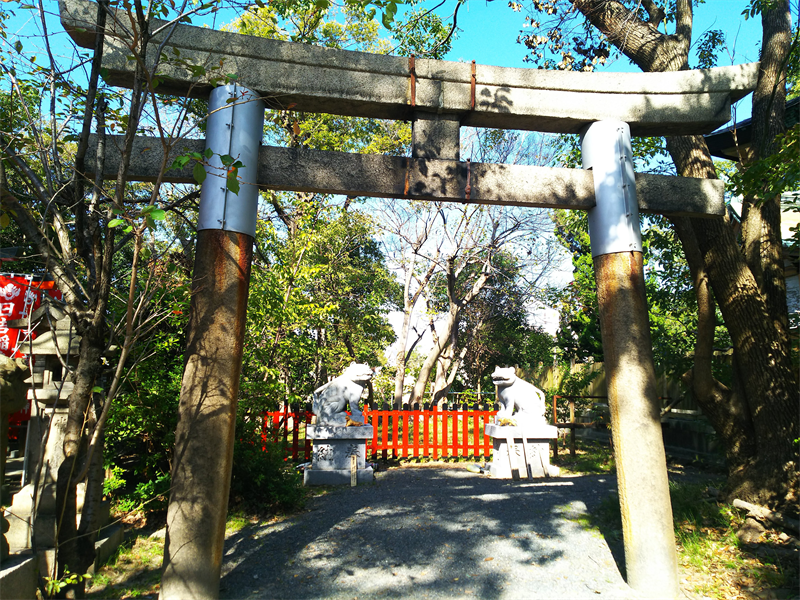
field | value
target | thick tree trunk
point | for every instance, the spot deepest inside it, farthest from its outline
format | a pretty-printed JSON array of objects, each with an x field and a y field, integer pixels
[
  {"x": 402, "y": 340},
  {"x": 724, "y": 407},
  {"x": 761, "y": 217},
  {"x": 77, "y": 553},
  {"x": 749, "y": 287}
]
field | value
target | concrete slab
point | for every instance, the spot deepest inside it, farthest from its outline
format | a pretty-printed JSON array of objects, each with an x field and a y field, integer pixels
[{"x": 19, "y": 577}]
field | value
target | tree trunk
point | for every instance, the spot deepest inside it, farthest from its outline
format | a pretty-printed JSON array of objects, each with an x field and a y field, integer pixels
[
  {"x": 724, "y": 407},
  {"x": 77, "y": 553},
  {"x": 433, "y": 357},
  {"x": 402, "y": 340},
  {"x": 749, "y": 287}
]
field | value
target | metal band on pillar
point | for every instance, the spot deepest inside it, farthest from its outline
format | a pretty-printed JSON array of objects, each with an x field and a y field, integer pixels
[
  {"x": 235, "y": 127},
  {"x": 614, "y": 221}
]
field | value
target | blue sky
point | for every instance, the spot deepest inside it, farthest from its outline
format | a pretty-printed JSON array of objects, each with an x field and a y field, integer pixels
[{"x": 490, "y": 30}]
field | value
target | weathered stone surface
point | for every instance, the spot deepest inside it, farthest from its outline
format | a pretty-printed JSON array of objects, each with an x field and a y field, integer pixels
[
  {"x": 320, "y": 171},
  {"x": 332, "y": 399},
  {"x": 19, "y": 577},
  {"x": 544, "y": 432},
  {"x": 333, "y": 454},
  {"x": 316, "y": 79},
  {"x": 336, "y": 477},
  {"x": 520, "y": 453},
  {"x": 328, "y": 432},
  {"x": 521, "y": 403},
  {"x": 333, "y": 447}
]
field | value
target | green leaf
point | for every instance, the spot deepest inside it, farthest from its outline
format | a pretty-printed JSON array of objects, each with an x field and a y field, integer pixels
[
  {"x": 232, "y": 183},
  {"x": 115, "y": 223},
  {"x": 97, "y": 389},
  {"x": 180, "y": 162},
  {"x": 5, "y": 221},
  {"x": 226, "y": 159},
  {"x": 208, "y": 153},
  {"x": 199, "y": 173},
  {"x": 158, "y": 214}
]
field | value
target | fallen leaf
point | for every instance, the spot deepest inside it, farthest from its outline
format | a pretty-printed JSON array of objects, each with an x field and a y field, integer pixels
[{"x": 488, "y": 559}]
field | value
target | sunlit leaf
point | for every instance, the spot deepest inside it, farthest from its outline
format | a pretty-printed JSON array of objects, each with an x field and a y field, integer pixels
[{"x": 199, "y": 173}]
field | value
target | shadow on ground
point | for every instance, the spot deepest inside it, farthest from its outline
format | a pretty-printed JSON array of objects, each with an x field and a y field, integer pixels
[{"x": 433, "y": 533}]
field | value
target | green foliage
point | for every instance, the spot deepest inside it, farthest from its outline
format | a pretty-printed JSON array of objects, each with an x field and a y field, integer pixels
[
  {"x": 151, "y": 495},
  {"x": 421, "y": 33},
  {"x": 773, "y": 174},
  {"x": 708, "y": 47},
  {"x": 54, "y": 585},
  {"x": 140, "y": 433},
  {"x": 262, "y": 479},
  {"x": 572, "y": 381},
  {"x": 578, "y": 336}
]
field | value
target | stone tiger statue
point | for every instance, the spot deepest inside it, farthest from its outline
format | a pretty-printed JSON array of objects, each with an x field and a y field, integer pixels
[{"x": 521, "y": 403}]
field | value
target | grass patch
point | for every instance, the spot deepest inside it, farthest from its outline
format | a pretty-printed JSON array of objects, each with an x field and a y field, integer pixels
[
  {"x": 236, "y": 522},
  {"x": 134, "y": 571},
  {"x": 711, "y": 561},
  {"x": 590, "y": 457}
]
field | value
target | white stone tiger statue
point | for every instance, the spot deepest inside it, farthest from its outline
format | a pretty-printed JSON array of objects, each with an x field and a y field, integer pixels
[
  {"x": 521, "y": 403},
  {"x": 332, "y": 399}
]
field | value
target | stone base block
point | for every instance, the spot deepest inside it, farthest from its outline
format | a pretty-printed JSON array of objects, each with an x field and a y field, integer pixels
[
  {"x": 336, "y": 476},
  {"x": 108, "y": 540},
  {"x": 329, "y": 454},
  {"x": 19, "y": 577},
  {"x": 521, "y": 453}
]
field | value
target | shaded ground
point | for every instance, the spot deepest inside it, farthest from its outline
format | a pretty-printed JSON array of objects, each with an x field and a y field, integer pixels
[
  {"x": 433, "y": 533},
  {"x": 444, "y": 532}
]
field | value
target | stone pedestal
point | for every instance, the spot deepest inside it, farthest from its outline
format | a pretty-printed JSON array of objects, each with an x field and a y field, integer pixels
[
  {"x": 333, "y": 447},
  {"x": 521, "y": 452}
]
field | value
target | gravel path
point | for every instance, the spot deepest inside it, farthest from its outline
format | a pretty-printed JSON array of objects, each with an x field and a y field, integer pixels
[{"x": 433, "y": 533}]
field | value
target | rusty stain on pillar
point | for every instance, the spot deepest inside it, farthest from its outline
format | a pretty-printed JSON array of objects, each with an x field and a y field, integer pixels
[
  {"x": 650, "y": 556},
  {"x": 203, "y": 457}
]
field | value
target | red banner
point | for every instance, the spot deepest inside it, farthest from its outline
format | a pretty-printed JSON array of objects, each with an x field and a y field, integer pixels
[{"x": 20, "y": 295}]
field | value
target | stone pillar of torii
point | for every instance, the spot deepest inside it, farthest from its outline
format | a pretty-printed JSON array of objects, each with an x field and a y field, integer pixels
[{"x": 438, "y": 97}]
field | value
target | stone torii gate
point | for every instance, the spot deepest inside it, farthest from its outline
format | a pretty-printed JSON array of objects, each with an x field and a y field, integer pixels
[{"x": 438, "y": 97}]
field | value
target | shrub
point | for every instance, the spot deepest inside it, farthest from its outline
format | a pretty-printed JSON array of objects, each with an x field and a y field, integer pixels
[{"x": 262, "y": 478}]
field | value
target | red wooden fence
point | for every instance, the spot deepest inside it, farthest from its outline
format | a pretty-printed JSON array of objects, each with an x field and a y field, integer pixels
[
  {"x": 398, "y": 431},
  {"x": 287, "y": 426}
]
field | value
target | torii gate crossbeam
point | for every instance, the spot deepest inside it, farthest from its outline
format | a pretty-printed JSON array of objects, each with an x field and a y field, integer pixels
[{"x": 438, "y": 97}]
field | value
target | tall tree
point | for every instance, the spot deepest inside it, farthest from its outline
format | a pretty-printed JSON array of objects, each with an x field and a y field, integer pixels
[
  {"x": 757, "y": 420},
  {"x": 98, "y": 242}
]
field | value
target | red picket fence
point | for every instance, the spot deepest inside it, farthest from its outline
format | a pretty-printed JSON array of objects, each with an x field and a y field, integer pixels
[
  {"x": 398, "y": 431},
  {"x": 429, "y": 432},
  {"x": 288, "y": 425}
]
